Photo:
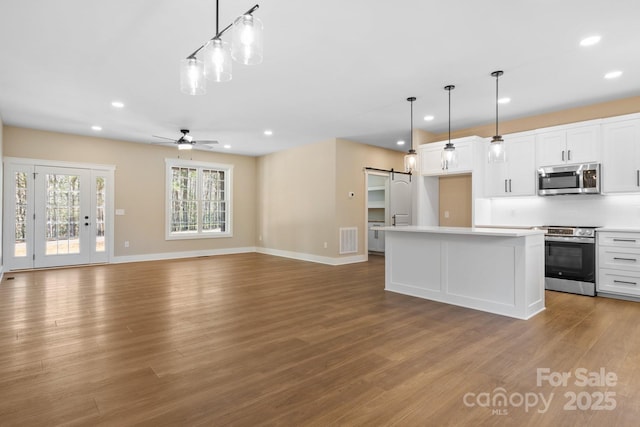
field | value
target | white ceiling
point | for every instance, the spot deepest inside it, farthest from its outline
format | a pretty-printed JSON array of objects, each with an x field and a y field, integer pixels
[{"x": 332, "y": 68}]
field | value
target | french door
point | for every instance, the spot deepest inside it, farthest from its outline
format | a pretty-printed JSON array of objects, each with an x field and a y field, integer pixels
[{"x": 55, "y": 216}]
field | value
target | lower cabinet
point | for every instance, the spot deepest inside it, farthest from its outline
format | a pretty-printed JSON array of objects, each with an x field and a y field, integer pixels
[
  {"x": 376, "y": 240},
  {"x": 619, "y": 263}
]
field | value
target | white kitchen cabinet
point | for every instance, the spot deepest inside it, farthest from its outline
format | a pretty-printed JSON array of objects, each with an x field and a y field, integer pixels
[
  {"x": 516, "y": 176},
  {"x": 431, "y": 158},
  {"x": 621, "y": 156},
  {"x": 619, "y": 263},
  {"x": 569, "y": 145},
  {"x": 375, "y": 238}
]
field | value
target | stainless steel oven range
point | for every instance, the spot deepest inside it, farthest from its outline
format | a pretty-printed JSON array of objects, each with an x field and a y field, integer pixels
[{"x": 570, "y": 259}]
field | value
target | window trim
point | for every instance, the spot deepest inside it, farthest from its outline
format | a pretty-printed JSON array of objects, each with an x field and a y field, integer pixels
[{"x": 228, "y": 185}]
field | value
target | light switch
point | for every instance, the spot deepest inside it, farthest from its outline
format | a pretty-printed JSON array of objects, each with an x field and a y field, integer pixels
[{"x": 119, "y": 211}]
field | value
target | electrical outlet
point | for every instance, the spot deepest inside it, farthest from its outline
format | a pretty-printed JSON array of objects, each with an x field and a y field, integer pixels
[
  {"x": 260, "y": 237},
  {"x": 325, "y": 245},
  {"x": 446, "y": 214},
  {"x": 126, "y": 243}
]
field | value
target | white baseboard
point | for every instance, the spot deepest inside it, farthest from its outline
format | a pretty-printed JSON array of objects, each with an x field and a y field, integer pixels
[
  {"x": 313, "y": 258},
  {"x": 177, "y": 255}
]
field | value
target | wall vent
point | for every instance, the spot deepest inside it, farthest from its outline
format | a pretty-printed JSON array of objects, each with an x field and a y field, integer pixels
[{"x": 348, "y": 240}]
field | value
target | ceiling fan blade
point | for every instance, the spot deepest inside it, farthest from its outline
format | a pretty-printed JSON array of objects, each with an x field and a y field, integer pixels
[
  {"x": 206, "y": 141},
  {"x": 164, "y": 137}
]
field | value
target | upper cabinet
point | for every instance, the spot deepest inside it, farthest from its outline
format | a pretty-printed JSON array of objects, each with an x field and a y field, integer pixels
[
  {"x": 431, "y": 163},
  {"x": 568, "y": 144},
  {"x": 621, "y": 155},
  {"x": 516, "y": 176}
]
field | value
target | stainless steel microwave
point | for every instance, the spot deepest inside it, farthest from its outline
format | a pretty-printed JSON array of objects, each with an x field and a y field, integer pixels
[{"x": 569, "y": 179}]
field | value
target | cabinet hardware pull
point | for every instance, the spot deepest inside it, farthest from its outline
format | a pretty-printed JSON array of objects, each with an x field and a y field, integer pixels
[
  {"x": 505, "y": 185},
  {"x": 563, "y": 155},
  {"x": 624, "y": 240},
  {"x": 568, "y": 154},
  {"x": 510, "y": 186},
  {"x": 625, "y": 259},
  {"x": 625, "y": 282},
  {"x": 638, "y": 178},
  {"x": 375, "y": 234}
]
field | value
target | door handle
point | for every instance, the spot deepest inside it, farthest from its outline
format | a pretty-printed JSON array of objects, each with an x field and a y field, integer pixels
[
  {"x": 393, "y": 220},
  {"x": 625, "y": 282},
  {"x": 87, "y": 223}
]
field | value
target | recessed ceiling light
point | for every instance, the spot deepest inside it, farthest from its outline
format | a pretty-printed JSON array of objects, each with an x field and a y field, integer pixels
[
  {"x": 268, "y": 132},
  {"x": 400, "y": 142},
  {"x": 96, "y": 128},
  {"x": 613, "y": 74},
  {"x": 227, "y": 146},
  {"x": 504, "y": 100},
  {"x": 117, "y": 104},
  {"x": 428, "y": 118},
  {"x": 590, "y": 41}
]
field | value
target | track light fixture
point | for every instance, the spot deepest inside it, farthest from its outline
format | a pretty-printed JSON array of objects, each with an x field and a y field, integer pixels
[{"x": 215, "y": 55}]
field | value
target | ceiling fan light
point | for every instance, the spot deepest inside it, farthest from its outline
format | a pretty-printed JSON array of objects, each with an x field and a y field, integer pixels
[
  {"x": 192, "y": 80},
  {"x": 184, "y": 146},
  {"x": 217, "y": 60},
  {"x": 246, "y": 45}
]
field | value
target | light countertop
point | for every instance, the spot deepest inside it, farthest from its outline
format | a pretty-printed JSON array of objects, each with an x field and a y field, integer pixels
[
  {"x": 477, "y": 231},
  {"x": 620, "y": 229}
]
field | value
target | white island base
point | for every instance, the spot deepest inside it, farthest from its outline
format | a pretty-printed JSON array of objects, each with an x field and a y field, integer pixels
[{"x": 500, "y": 271}]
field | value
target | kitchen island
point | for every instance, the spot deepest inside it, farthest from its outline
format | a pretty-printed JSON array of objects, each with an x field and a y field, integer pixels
[{"x": 497, "y": 270}]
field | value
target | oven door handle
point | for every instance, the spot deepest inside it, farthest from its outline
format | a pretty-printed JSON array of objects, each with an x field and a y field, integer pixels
[{"x": 570, "y": 239}]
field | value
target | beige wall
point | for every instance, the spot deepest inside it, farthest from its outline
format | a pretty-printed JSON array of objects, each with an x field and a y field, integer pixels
[
  {"x": 140, "y": 186},
  {"x": 351, "y": 159},
  {"x": 303, "y": 195},
  {"x": 296, "y": 199},
  {"x": 455, "y": 200}
]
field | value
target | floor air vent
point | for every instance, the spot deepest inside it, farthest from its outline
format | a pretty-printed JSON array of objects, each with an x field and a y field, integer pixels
[{"x": 348, "y": 240}]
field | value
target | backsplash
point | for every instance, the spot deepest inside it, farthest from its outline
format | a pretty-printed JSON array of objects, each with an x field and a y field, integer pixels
[{"x": 586, "y": 210}]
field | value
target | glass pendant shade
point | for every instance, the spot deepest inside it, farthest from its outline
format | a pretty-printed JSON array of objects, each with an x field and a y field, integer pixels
[
  {"x": 449, "y": 157},
  {"x": 246, "y": 46},
  {"x": 217, "y": 61},
  {"x": 497, "y": 153},
  {"x": 192, "y": 77},
  {"x": 410, "y": 161}
]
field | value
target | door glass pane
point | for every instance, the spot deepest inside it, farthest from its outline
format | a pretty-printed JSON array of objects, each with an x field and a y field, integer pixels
[
  {"x": 62, "y": 213},
  {"x": 20, "y": 247},
  {"x": 100, "y": 211}
]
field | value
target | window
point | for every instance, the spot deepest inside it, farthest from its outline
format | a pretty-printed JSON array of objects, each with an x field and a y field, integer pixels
[{"x": 198, "y": 200}]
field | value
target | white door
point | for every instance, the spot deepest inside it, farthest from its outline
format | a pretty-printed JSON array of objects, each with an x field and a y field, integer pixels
[
  {"x": 400, "y": 199},
  {"x": 54, "y": 216}
]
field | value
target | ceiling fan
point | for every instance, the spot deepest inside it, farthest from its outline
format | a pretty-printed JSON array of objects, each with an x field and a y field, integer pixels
[{"x": 186, "y": 141}]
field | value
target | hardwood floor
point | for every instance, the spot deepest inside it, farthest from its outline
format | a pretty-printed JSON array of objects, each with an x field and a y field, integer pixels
[{"x": 258, "y": 340}]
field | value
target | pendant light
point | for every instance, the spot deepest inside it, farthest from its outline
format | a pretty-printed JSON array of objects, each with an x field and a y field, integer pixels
[
  {"x": 497, "y": 152},
  {"x": 216, "y": 54},
  {"x": 411, "y": 158},
  {"x": 449, "y": 156}
]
